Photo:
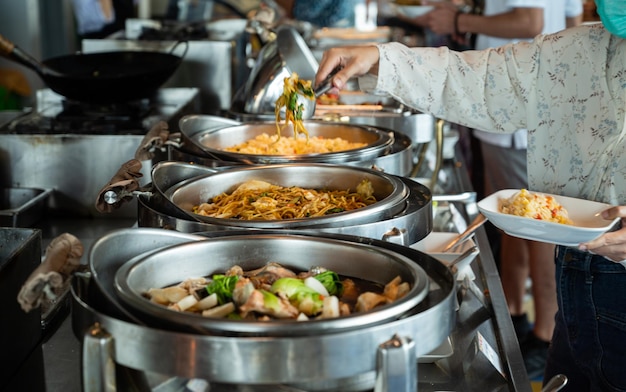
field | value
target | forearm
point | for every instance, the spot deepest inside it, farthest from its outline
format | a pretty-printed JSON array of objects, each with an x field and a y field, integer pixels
[
  {"x": 450, "y": 85},
  {"x": 519, "y": 23}
]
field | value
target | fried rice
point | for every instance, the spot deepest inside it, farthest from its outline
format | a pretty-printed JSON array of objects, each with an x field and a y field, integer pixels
[{"x": 536, "y": 206}]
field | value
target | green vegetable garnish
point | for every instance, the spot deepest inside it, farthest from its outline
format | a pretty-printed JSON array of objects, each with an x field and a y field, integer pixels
[
  {"x": 306, "y": 91},
  {"x": 222, "y": 286},
  {"x": 270, "y": 301},
  {"x": 331, "y": 282}
]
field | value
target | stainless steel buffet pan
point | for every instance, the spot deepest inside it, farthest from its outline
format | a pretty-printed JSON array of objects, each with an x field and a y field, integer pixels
[
  {"x": 166, "y": 174},
  {"x": 207, "y": 138},
  {"x": 331, "y": 360},
  {"x": 22, "y": 207},
  {"x": 398, "y": 160},
  {"x": 390, "y": 192},
  {"x": 411, "y": 223},
  {"x": 177, "y": 263},
  {"x": 112, "y": 250}
]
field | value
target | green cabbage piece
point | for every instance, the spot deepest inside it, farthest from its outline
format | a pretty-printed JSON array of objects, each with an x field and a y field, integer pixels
[
  {"x": 331, "y": 281},
  {"x": 307, "y": 300},
  {"x": 222, "y": 286}
]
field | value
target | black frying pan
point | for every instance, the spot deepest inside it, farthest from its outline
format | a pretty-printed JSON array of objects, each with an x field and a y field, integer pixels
[{"x": 106, "y": 77}]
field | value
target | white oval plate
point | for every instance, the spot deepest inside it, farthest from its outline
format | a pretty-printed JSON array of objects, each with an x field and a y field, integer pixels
[
  {"x": 413, "y": 11},
  {"x": 588, "y": 224}
]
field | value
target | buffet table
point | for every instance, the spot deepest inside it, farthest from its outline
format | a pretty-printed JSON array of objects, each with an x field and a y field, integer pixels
[{"x": 481, "y": 354}]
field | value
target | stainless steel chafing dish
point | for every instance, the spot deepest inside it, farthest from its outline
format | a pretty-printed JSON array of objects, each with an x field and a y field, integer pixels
[
  {"x": 403, "y": 214},
  {"x": 390, "y": 192},
  {"x": 299, "y": 253},
  {"x": 203, "y": 139},
  {"x": 323, "y": 360}
]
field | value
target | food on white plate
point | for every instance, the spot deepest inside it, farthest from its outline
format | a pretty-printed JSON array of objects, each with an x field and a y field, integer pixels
[
  {"x": 274, "y": 292},
  {"x": 265, "y": 144},
  {"x": 536, "y": 206},
  {"x": 260, "y": 200}
]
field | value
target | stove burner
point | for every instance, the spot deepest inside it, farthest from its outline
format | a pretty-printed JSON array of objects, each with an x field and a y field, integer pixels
[
  {"x": 98, "y": 119},
  {"x": 56, "y": 115},
  {"x": 122, "y": 112},
  {"x": 123, "y": 116}
]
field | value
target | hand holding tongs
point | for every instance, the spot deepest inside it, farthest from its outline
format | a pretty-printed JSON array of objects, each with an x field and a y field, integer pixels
[
  {"x": 327, "y": 83},
  {"x": 321, "y": 89}
]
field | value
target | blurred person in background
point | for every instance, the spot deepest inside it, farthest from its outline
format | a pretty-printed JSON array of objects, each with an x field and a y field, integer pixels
[
  {"x": 321, "y": 13},
  {"x": 442, "y": 37},
  {"x": 503, "y": 158},
  {"x": 101, "y": 18}
]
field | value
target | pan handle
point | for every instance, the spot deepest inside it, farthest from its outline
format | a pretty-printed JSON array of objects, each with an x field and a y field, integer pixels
[{"x": 12, "y": 52}]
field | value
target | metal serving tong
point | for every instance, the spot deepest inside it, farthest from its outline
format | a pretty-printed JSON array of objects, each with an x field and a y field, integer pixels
[
  {"x": 327, "y": 83},
  {"x": 476, "y": 223},
  {"x": 319, "y": 90},
  {"x": 555, "y": 384}
]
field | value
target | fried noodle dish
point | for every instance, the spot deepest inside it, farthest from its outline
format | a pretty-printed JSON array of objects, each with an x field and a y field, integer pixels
[
  {"x": 265, "y": 144},
  {"x": 292, "y": 89},
  {"x": 260, "y": 200},
  {"x": 536, "y": 206},
  {"x": 274, "y": 292}
]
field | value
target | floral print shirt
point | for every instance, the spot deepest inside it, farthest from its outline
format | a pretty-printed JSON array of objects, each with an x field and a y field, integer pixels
[{"x": 568, "y": 89}]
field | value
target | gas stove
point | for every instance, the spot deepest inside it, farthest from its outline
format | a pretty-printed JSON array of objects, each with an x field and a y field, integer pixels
[
  {"x": 54, "y": 114},
  {"x": 75, "y": 148}
]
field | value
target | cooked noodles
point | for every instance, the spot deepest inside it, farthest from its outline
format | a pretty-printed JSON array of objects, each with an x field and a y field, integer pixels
[
  {"x": 260, "y": 200},
  {"x": 265, "y": 144},
  {"x": 292, "y": 89}
]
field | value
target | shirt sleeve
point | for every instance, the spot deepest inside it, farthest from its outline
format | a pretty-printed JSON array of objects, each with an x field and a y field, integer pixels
[{"x": 487, "y": 89}]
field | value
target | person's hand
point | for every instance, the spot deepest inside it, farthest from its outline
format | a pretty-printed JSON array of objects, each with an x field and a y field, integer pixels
[
  {"x": 354, "y": 60},
  {"x": 441, "y": 19},
  {"x": 612, "y": 244},
  {"x": 421, "y": 20}
]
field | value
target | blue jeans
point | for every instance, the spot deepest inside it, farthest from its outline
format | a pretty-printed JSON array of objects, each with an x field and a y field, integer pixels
[{"x": 589, "y": 341}]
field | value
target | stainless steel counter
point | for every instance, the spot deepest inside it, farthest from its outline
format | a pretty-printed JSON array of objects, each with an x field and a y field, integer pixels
[{"x": 485, "y": 356}]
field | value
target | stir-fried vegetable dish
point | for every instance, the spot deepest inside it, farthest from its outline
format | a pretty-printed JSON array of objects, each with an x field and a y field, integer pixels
[
  {"x": 275, "y": 292},
  {"x": 292, "y": 90}
]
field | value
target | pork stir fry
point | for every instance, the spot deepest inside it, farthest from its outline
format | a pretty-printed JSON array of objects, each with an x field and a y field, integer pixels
[{"x": 275, "y": 292}]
